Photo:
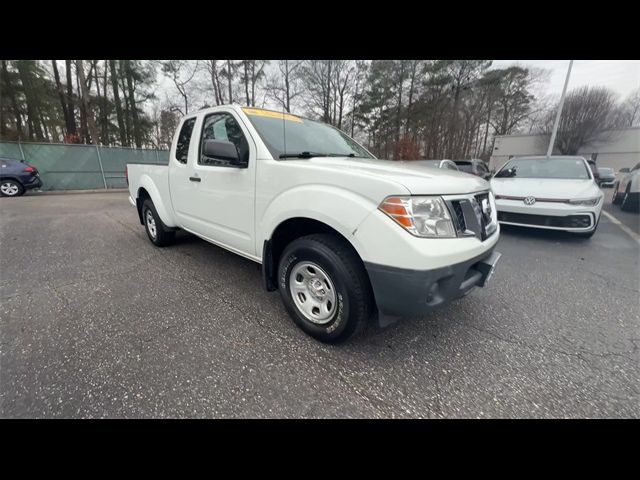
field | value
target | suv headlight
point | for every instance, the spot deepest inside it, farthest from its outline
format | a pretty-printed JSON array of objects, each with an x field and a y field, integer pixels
[
  {"x": 422, "y": 216},
  {"x": 585, "y": 202}
]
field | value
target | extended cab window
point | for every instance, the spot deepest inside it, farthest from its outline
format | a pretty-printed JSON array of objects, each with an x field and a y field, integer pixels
[
  {"x": 223, "y": 126},
  {"x": 182, "y": 147}
]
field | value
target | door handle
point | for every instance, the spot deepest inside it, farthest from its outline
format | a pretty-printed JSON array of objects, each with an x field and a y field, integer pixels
[{"x": 194, "y": 179}]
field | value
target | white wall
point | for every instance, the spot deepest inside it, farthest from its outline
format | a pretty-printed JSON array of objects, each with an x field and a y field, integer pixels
[{"x": 622, "y": 151}]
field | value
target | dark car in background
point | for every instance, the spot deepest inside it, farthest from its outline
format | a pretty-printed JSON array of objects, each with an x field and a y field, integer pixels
[
  {"x": 607, "y": 177},
  {"x": 17, "y": 176},
  {"x": 474, "y": 166}
]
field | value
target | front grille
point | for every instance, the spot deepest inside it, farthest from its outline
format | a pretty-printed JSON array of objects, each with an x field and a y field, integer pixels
[
  {"x": 569, "y": 221},
  {"x": 461, "y": 226},
  {"x": 469, "y": 217}
]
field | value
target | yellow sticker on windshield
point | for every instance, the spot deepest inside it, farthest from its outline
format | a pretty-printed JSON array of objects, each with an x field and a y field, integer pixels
[{"x": 270, "y": 114}]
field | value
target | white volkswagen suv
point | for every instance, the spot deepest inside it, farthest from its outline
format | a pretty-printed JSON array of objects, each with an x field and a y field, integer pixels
[{"x": 557, "y": 193}]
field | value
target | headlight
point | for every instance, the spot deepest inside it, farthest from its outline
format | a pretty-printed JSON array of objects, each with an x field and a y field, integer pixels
[
  {"x": 421, "y": 216},
  {"x": 585, "y": 202}
]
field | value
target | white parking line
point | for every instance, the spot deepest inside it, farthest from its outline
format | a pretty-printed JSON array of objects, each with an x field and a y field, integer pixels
[{"x": 624, "y": 228}]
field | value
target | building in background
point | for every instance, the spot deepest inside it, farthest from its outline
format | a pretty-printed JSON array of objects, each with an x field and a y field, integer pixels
[{"x": 623, "y": 150}]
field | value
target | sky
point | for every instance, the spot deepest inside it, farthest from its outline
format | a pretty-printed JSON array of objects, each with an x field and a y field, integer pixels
[{"x": 622, "y": 76}]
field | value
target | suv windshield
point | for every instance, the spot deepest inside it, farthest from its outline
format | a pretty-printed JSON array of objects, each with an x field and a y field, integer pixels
[
  {"x": 301, "y": 136},
  {"x": 567, "y": 168}
]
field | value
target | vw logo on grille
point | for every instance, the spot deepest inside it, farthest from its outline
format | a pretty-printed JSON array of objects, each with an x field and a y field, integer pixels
[{"x": 529, "y": 200}]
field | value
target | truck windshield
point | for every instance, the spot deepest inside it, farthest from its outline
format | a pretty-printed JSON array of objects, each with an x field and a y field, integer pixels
[
  {"x": 290, "y": 136},
  {"x": 567, "y": 168}
]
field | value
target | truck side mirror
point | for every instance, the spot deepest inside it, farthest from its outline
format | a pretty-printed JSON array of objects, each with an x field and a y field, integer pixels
[{"x": 222, "y": 149}]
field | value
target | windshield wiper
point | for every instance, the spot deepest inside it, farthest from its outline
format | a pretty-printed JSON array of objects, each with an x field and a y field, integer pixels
[
  {"x": 315, "y": 154},
  {"x": 302, "y": 155}
]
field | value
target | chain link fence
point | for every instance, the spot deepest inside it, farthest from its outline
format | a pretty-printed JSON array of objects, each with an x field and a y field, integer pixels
[{"x": 80, "y": 167}]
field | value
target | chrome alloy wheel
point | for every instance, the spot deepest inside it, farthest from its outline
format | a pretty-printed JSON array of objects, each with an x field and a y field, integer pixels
[
  {"x": 312, "y": 292},
  {"x": 151, "y": 224},
  {"x": 9, "y": 189}
]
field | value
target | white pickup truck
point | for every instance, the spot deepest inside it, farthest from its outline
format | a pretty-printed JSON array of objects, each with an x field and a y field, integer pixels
[{"x": 342, "y": 235}]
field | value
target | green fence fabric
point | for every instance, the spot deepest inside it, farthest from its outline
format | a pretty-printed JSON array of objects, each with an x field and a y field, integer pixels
[{"x": 80, "y": 167}]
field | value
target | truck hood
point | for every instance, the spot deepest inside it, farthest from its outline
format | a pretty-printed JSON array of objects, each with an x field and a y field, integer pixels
[
  {"x": 418, "y": 179},
  {"x": 544, "y": 187}
]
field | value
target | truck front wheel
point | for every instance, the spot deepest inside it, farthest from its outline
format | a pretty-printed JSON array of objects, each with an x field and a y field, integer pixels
[
  {"x": 324, "y": 287},
  {"x": 159, "y": 234}
]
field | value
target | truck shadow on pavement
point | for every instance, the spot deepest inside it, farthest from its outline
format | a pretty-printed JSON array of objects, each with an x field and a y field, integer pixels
[{"x": 402, "y": 338}]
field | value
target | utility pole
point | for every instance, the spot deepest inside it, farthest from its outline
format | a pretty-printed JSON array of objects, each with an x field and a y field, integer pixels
[{"x": 555, "y": 124}]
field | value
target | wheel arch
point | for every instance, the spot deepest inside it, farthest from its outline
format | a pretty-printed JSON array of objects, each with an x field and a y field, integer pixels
[
  {"x": 287, "y": 231},
  {"x": 148, "y": 189}
]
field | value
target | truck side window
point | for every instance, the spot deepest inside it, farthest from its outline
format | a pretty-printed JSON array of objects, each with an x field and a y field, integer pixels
[
  {"x": 182, "y": 146},
  {"x": 223, "y": 126}
]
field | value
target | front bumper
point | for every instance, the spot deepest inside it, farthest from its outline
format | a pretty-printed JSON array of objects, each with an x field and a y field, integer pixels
[
  {"x": 403, "y": 292},
  {"x": 548, "y": 215}
]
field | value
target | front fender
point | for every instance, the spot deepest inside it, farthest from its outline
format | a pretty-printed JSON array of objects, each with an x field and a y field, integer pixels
[
  {"x": 165, "y": 213},
  {"x": 341, "y": 209}
]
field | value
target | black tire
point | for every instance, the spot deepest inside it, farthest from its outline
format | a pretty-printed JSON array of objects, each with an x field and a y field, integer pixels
[
  {"x": 616, "y": 199},
  {"x": 163, "y": 235},
  {"x": 346, "y": 272},
  {"x": 629, "y": 201},
  {"x": 11, "y": 186}
]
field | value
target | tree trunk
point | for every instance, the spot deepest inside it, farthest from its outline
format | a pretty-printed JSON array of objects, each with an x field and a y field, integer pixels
[
  {"x": 287, "y": 87},
  {"x": 104, "y": 117},
  {"x": 86, "y": 101},
  {"x": 60, "y": 90},
  {"x": 72, "y": 129},
  {"x": 214, "y": 81},
  {"x": 132, "y": 104},
  {"x": 486, "y": 130},
  {"x": 116, "y": 100},
  {"x": 12, "y": 97},
  {"x": 229, "y": 80},
  {"x": 30, "y": 96},
  {"x": 83, "y": 112}
]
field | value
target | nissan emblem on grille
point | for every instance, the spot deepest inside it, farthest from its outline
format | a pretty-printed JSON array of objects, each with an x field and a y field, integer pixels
[
  {"x": 486, "y": 207},
  {"x": 529, "y": 200},
  {"x": 477, "y": 209}
]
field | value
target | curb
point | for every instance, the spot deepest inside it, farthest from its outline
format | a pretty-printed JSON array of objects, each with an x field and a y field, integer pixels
[{"x": 73, "y": 192}]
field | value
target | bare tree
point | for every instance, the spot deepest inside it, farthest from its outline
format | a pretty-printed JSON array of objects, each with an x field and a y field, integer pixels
[
  {"x": 284, "y": 85},
  {"x": 214, "y": 75},
  {"x": 589, "y": 116},
  {"x": 629, "y": 111},
  {"x": 180, "y": 74}
]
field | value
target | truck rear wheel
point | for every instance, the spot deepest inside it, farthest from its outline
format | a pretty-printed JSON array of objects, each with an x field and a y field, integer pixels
[
  {"x": 324, "y": 287},
  {"x": 159, "y": 234}
]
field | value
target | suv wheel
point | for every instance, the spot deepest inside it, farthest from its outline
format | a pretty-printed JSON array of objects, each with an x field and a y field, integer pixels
[
  {"x": 616, "y": 199},
  {"x": 11, "y": 188},
  {"x": 629, "y": 200}
]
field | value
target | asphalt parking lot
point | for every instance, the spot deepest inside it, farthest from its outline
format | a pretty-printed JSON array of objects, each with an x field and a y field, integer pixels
[{"x": 97, "y": 322}]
